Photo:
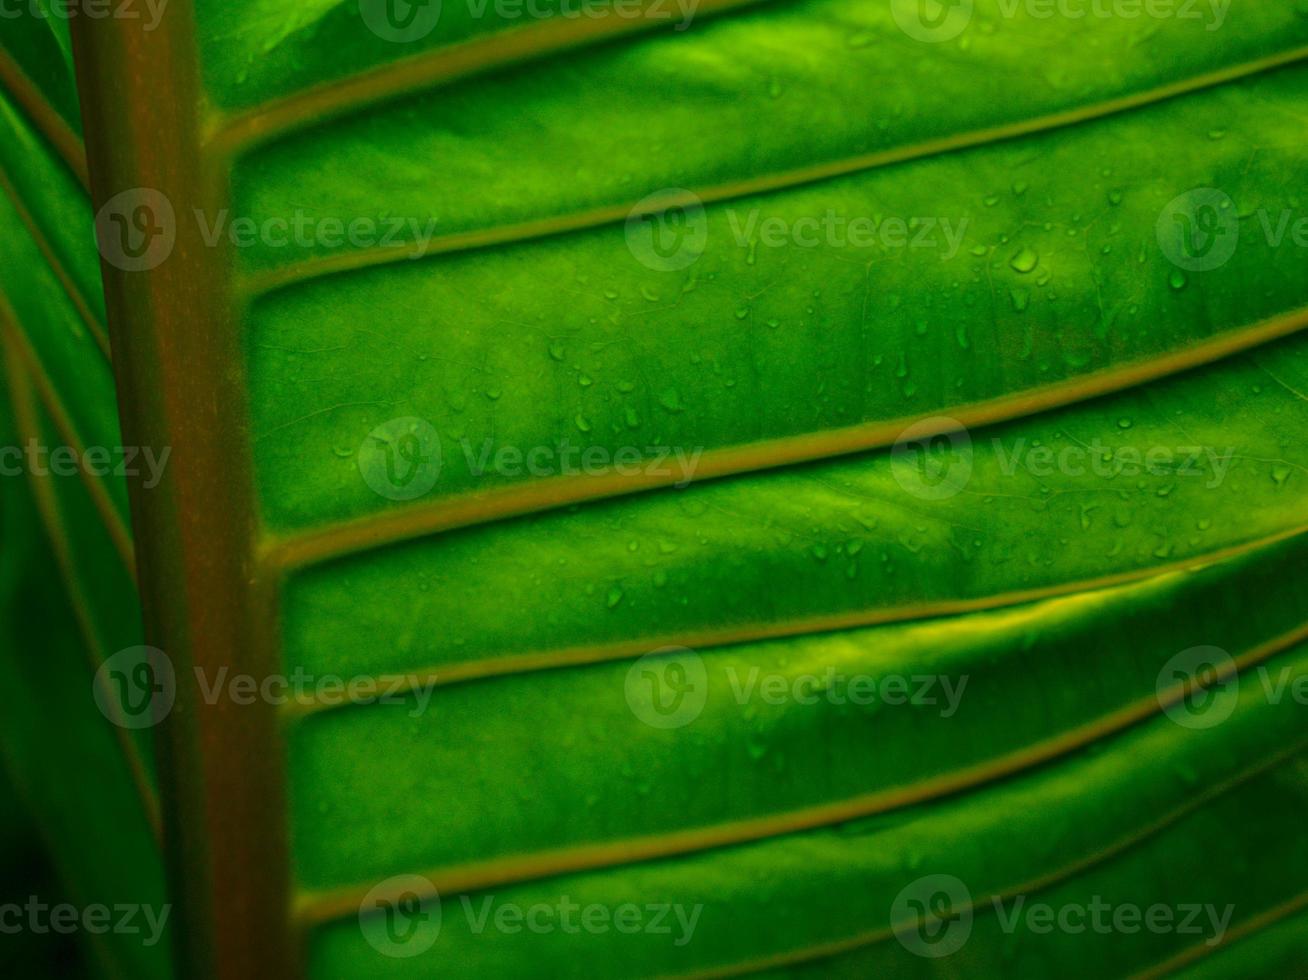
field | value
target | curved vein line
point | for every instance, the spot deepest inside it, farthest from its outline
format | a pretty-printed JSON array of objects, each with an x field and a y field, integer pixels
[
  {"x": 322, "y": 906},
  {"x": 113, "y": 522},
  {"x": 1245, "y": 929},
  {"x": 93, "y": 325},
  {"x": 468, "y": 671},
  {"x": 47, "y": 506},
  {"x": 398, "y": 525},
  {"x": 872, "y": 937},
  {"x": 259, "y": 284},
  {"x": 51, "y": 125},
  {"x": 229, "y": 136}
]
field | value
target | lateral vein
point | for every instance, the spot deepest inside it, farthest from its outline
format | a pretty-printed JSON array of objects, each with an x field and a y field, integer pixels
[
  {"x": 92, "y": 323},
  {"x": 229, "y": 136},
  {"x": 391, "y": 527},
  {"x": 47, "y": 120},
  {"x": 114, "y": 525},
  {"x": 1244, "y": 930},
  {"x": 25, "y": 417},
  {"x": 256, "y": 285},
  {"x": 469, "y": 671},
  {"x": 323, "y": 906},
  {"x": 872, "y": 937}
]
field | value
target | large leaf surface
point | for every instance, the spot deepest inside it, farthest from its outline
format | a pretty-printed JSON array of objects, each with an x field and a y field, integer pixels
[{"x": 768, "y": 525}]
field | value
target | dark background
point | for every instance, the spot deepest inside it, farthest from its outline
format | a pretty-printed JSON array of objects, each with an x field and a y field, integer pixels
[{"x": 26, "y": 870}]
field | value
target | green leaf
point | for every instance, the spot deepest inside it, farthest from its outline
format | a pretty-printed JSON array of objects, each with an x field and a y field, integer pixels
[
  {"x": 779, "y": 463},
  {"x": 65, "y": 759}
]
